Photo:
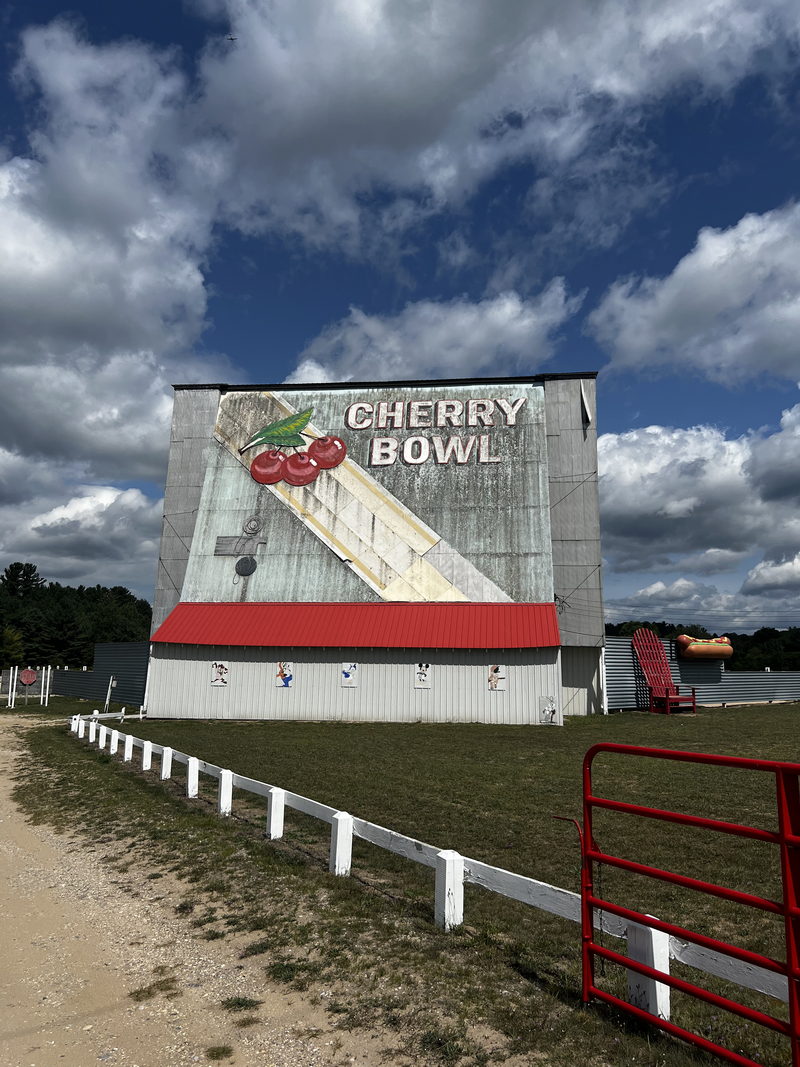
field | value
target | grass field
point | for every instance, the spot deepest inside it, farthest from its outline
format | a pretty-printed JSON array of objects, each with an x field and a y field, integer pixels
[{"x": 509, "y": 983}]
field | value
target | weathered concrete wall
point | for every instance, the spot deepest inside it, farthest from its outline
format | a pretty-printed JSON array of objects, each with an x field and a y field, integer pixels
[
  {"x": 574, "y": 509},
  {"x": 193, "y": 416},
  {"x": 458, "y": 511}
]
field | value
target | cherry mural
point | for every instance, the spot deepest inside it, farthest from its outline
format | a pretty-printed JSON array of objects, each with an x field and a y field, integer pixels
[
  {"x": 328, "y": 451},
  {"x": 300, "y": 469},
  {"x": 306, "y": 461},
  {"x": 267, "y": 467}
]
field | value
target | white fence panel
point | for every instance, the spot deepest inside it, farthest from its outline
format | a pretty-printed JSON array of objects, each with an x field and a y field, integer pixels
[{"x": 645, "y": 944}]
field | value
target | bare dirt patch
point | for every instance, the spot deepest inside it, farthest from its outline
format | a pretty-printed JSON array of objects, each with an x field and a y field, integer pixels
[{"x": 97, "y": 968}]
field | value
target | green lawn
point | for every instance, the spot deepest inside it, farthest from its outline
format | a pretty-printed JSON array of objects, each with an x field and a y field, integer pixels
[{"x": 491, "y": 794}]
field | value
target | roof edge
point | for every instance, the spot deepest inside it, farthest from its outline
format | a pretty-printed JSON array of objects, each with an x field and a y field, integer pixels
[{"x": 308, "y": 386}]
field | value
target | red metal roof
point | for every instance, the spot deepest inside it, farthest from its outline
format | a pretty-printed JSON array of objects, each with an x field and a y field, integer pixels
[{"x": 370, "y": 625}]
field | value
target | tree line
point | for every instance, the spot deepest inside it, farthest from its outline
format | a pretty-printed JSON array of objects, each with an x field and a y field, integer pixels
[
  {"x": 777, "y": 649},
  {"x": 44, "y": 622}
]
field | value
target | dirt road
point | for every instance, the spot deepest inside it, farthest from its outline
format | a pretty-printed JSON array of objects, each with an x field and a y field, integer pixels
[{"x": 77, "y": 940}]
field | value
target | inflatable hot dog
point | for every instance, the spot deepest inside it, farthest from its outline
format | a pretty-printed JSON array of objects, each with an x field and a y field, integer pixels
[{"x": 703, "y": 647}]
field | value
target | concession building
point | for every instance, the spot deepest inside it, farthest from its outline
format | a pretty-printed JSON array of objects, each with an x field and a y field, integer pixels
[{"x": 392, "y": 551}]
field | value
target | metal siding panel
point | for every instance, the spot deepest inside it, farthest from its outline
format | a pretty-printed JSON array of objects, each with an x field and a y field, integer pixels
[
  {"x": 574, "y": 511},
  {"x": 626, "y": 688},
  {"x": 125, "y": 660},
  {"x": 180, "y": 686},
  {"x": 580, "y": 676}
]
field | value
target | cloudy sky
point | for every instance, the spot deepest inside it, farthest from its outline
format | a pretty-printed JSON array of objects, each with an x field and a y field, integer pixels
[{"x": 263, "y": 190}]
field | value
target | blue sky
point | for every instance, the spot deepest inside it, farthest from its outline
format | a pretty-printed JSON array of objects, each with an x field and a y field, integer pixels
[{"x": 427, "y": 189}]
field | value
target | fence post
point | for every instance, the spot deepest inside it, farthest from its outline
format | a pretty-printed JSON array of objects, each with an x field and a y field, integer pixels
[
  {"x": 102, "y": 735},
  {"x": 73, "y": 724},
  {"x": 81, "y": 727},
  {"x": 341, "y": 843},
  {"x": 127, "y": 748},
  {"x": 449, "y": 893},
  {"x": 276, "y": 803},
  {"x": 147, "y": 755},
  {"x": 192, "y": 777},
  {"x": 113, "y": 744},
  {"x": 651, "y": 947},
  {"x": 92, "y": 731},
  {"x": 166, "y": 763},
  {"x": 225, "y": 800}
]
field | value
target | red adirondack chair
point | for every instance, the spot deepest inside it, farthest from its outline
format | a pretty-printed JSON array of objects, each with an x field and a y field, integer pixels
[{"x": 664, "y": 694}]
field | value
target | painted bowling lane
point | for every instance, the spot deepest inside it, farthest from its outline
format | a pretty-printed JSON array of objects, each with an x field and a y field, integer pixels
[{"x": 390, "y": 548}]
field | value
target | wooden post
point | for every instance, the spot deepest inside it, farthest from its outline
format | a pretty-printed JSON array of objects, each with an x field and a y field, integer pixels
[
  {"x": 147, "y": 755},
  {"x": 166, "y": 763},
  {"x": 81, "y": 727},
  {"x": 341, "y": 843},
  {"x": 651, "y": 947},
  {"x": 225, "y": 800},
  {"x": 102, "y": 734},
  {"x": 449, "y": 892},
  {"x": 276, "y": 804},
  {"x": 192, "y": 777},
  {"x": 92, "y": 731},
  {"x": 127, "y": 750},
  {"x": 73, "y": 724},
  {"x": 113, "y": 744}
]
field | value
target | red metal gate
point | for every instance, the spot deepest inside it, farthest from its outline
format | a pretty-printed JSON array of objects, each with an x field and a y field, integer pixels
[{"x": 787, "y": 838}]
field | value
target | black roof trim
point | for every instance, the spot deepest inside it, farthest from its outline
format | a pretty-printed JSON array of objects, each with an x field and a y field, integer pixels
[{"x": 522, "y": 380}]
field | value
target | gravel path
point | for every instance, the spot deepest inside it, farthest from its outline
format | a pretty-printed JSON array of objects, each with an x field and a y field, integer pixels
[{"x": 77, "y": 939}]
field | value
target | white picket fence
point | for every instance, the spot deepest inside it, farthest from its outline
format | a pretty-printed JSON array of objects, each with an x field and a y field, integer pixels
[{"x": 652, "y": 947}]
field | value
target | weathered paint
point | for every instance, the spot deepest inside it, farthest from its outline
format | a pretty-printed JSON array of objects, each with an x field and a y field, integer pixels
[
  {"x": 420, "y": 531},
  {"x": 193, "y": 418},
  {"x": 448, "y": 909},
  {"x": 341, "y": 853},
  {"x": 574, "y": 510},
  {"x": 650, "y": 947},
  {"x": 179, "y": 685}
]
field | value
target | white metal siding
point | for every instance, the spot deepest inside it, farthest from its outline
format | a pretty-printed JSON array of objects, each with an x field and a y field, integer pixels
[
  {"x": 580, "y": 681},
  {"x": 180, "y": 686}
]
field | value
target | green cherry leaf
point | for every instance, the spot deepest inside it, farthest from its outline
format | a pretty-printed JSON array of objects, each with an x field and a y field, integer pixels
[{"x": 285, "y": 432}]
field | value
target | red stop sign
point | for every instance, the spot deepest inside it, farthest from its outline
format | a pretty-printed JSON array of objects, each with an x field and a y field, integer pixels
[{"x": 27, "y": 677}]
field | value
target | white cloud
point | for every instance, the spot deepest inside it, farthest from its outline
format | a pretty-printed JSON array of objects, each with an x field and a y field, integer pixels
[
  {"x": 711, "y": 561},
  {"x": 322, "y": 102},
  {"x": 668, "y": 491},
  {"x": 101, "y": 535},
  {"x": 689, "y": 603},
  {"x": 775, "y": 460},
  {"x": 104, "y": 227},
  {"x": 730, "y": 310},
  {"x": 684, "y": 502},
  {"x": 782, "y": 575},
  {"x": 503, "y": 335}
]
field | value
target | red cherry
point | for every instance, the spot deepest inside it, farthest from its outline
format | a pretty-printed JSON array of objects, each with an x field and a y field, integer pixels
[
  {"x": 300, "y": 469},
  {"x": 328, "y": 451},
  {"x": 267, "y": 467}
]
